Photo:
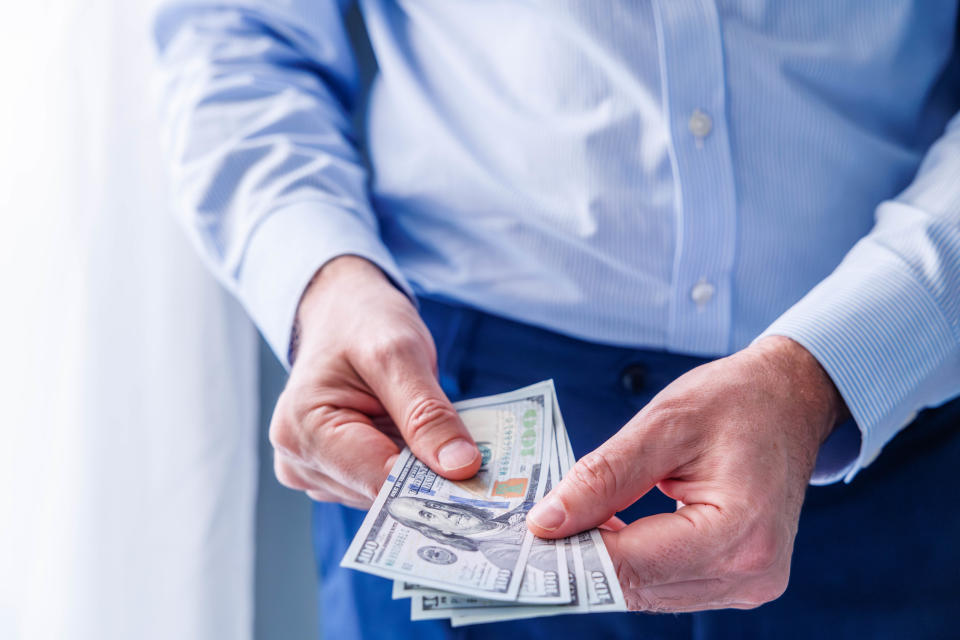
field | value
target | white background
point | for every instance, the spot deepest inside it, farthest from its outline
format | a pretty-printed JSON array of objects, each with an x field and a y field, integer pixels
[{"x": 128, "y": 386}]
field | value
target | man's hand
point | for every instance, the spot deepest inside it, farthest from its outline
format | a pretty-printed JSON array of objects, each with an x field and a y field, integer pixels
[
  {"x": 734, "y": 443},
  {"x": 364, "y": 381}
]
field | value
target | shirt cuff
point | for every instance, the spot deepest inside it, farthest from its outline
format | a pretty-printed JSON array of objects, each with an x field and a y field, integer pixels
[
  {"x": 880, "y": 335},
  {"x": 285, "y": 251}
]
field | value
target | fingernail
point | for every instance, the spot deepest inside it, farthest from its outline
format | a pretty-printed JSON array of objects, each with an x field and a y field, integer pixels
[
  {"x": 548, "y": 514},
  {"x": 456, "y": 454}
]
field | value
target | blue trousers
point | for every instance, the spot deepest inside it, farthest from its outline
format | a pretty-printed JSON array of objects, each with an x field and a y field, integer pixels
[{"x": 879, "y": 558}]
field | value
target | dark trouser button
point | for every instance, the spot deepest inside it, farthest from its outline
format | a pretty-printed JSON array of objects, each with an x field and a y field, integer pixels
[{"x": 633, "y": 378}]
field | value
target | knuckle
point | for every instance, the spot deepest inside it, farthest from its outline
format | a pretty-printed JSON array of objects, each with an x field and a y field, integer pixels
[
  {"x": 293, "y": 428},
  {"x": 426, "y": 415},
  {"x": 282, "y": 434},
  {"x": 383, "y": 350},
  {"x": 594, "y": 474},
  {"x": 317, "y": 417}
]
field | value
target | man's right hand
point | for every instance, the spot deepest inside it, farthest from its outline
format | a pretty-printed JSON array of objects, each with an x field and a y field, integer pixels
[{"x": 363, "y": 382}]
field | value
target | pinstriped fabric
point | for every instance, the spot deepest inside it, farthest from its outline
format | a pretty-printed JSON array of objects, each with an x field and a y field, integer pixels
[
  {"x": 705, "y": 203},
  {"x": 883, "y": 374},
  {"x": 661, "y": 174}
]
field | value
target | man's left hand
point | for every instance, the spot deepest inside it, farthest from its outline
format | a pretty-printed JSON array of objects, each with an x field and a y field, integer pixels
[{"x": 734, "y": 443}]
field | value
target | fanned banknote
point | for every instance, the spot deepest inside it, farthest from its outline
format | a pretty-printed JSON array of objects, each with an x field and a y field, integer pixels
[
  {"x": 460, "y": 550},
  {"x": 593, "y": 580},
  {"x": 544, "y": 577},
  {"x": 601, "y": 588},
  {"x": 544, "y": 581},
  {"x": 469, "y": 537}
]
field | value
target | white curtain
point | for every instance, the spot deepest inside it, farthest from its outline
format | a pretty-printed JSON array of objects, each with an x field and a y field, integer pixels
[{"x": 128, "y": 391}]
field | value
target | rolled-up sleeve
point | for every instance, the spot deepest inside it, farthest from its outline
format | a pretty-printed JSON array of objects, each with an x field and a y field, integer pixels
[
  {"x": 885, "y": 325},
  {"x": 267, "y": 175}
]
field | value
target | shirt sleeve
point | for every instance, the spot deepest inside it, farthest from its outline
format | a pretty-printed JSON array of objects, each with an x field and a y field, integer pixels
[
  {"x": 268, "y": 177},
  {"x": 885, "y": 325}
]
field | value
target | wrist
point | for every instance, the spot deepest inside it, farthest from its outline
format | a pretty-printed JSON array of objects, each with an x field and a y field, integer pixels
[
  {"x": 342, "y": 277},
  {"x": 806, "y": 381},
  {"x": 346, "y": 266}
]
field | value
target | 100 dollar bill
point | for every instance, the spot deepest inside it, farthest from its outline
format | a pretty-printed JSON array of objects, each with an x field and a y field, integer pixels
[
  {"x": 594, "y": 586},
  {"x": 544, "y": 578},
  {"x": 469, "y": 537}
]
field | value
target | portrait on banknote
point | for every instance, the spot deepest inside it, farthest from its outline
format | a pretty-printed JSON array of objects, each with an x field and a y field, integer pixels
[{"x": 471, "y": 528}]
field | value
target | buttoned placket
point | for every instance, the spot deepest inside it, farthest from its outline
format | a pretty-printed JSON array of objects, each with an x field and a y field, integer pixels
[{"x": 694, "y": 92}]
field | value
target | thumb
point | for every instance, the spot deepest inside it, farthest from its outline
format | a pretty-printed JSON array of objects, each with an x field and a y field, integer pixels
[
  {"x": 600, "y": 484},
  {"x": 426, "y": 419}
]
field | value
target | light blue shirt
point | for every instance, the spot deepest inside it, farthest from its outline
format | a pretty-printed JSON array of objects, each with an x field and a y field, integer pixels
[{"x": 680, "y": 175}]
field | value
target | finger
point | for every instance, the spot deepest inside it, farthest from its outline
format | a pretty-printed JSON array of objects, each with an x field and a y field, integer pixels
[
  {"x": 341, "y": 443},
  {"x": 324, "y": 496},
  {"x": 670, "y": 547},
  {"x": 296, "y": 476},
  {"x": 605, "y": 481},
  {"x": 613, "y": 524},
  {"x": 408, "y": 390}
]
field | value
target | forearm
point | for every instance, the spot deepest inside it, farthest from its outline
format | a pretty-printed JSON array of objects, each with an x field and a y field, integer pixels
[
  {"x": 886, "y": 324},
  {"x": 269, "y": 181}
]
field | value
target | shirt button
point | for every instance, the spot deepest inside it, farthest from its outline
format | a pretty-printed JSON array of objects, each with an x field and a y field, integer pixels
[
  {"x": 700, "y": 124},
  {"x": 702, "y": 292}
]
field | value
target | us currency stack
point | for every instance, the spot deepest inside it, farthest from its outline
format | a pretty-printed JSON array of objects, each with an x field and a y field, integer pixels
[{"x": 461, "y": 550}]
